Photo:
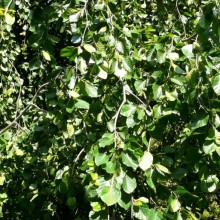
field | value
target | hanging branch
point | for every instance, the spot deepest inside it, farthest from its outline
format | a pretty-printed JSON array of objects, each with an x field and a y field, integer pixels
[
  {"x": 8, "y": 6},
  {"x": 24, "y": 110},
  {"x": 181, "y": 19}
]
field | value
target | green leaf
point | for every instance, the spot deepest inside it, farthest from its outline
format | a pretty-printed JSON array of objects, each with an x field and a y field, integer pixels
[
  {"x": 141, "y": 212},
  {"x": 216, "y": 84},
  {"x": 210, "y": 184},
  {"x": 106, "y": 140},
  {"x": 70, "y": 52},
  {"x": 91, "y": 90},
  {"x": 209, "y": 147},
  {"x": 60, "y": 172},
  {"x": 110, "y": 167},
  {"x": 120, "y": 47},
  {"x": 170, "y": 96},
  {"x": 199, "y": 122},
  {"x": 110, "y": 195},
  {"x": 179, "y": 173},
  {"x": 173, "y": 56},
  {"x": 128, "y": 161},
  {"x": 162, "y": 168},
  {"x": 120, "y": 73},
  {"x": 101, "y": 159},
  {"x": 96, "y": 206},
  {"x": 125, "y": 201},
  {"x": 71, "y": 202},
  {"x": 9, "y": 19},
  {"x": 140, "y": 85},
  {"x": 188, "y": 51},
  {"x": 70, "y": 129},
  {"x": 157, "y": 91},
  {"x": 7, "y": 135},
  {"x": 2, "y": 180},
  {"x": 130, "y": 122},
  {"x": 146, "y": 161},
  {"x": 175, "y": 205},
  {"x": 143, "y": 200},
  {"x": 75, "y": 17},
  {"x": 102, "y": 74},
  {"x": 81, "y": 104},
  {"x": 129, "y": 183},
  {"x": 46, "y": 55},
  {"x": 127, "y": 64},
  {"x": 89, "y": 48},
  {"x": 128, "y": 110}
]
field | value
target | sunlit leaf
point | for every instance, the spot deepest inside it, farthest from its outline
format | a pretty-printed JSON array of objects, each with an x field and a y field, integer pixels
[
  {"x": 146, "y": 161},
  {"x": 175, "y": 205},
  {"x": 188, "y": 51}
]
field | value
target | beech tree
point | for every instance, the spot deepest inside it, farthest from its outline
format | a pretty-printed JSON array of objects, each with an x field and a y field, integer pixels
[{"x": 109, "y": 109}]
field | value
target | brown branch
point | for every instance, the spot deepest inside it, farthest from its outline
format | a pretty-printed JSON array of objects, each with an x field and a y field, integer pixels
[{"x": 24, "y": 110}]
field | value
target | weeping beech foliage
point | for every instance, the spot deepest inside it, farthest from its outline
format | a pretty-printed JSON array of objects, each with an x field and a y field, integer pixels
[{"x": 109, "y": 109}]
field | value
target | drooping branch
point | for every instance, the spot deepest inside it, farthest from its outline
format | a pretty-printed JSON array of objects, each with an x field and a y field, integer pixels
[
  {"x": 24, "y": 110},
  {"x": 8, "y": 6}
]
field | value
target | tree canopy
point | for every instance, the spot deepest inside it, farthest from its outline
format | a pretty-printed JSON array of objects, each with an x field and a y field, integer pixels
[{"x": 110, "y": 108}]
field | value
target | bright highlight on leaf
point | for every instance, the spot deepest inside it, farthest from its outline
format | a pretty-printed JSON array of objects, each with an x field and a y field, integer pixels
[
  {"x": 188, "y": 51},
  {"x": 46, "y": 55},
  {"x": 175, "y": 205},
  {"x": 146, "y": 161}
]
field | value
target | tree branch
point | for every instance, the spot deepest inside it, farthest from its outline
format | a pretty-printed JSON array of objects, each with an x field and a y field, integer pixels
[
  {"x": 24, "y": 110},
  {"x": 8, "y": 6}
]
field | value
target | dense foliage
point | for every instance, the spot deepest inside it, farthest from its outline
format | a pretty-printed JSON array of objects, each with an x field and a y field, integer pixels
[{"x": 110, "y": 108}]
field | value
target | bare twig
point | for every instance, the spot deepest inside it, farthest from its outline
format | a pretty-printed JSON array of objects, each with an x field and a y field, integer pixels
[
  {"x": 75, "y": 161},
  {"x": 87, "y": 25},
  {"x": 181, "y": 19},
  {"x": 8, "y": 6},
  {"x": 120, "y": 107},
  {"x": 145, "y": 105},
  {"x": 24, "y": 110}
]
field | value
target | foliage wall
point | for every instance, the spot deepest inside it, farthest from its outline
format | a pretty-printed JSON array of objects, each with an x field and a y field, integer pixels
[{"x": 110, "y": 109}]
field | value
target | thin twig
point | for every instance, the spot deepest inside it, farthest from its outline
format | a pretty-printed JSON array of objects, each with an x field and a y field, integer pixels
[
  {"x": 40, "y": 109},
  {"x": 120, "y": 107},
  {"x": 145, "y": 105},
  {"x": 184, "y": 28},
  {"x": 189, "y": 38},
  {"x": 24, "y": 110},
  {"x": 8, "y": 6},
  {"x": 75, "y": 161},
  {"x": 86, "y": 13}
]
